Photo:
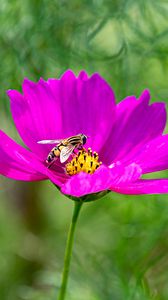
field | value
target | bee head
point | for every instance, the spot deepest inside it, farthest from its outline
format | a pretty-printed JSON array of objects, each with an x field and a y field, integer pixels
[{"x": 84, "y": 138}]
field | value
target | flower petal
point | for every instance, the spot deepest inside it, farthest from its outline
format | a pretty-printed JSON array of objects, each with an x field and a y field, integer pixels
[
  {"x": 57, "y": 109},
  {"x": 83, "y": 183},
  {"x": 87, "y": 106},
  {"x": 154, "y": 155},
  {"x": 136, "y": 123},
  {"x": 35, "y": 115},
  {"x": 143, "y": 186},
  {"x": 17, "y": 162},
  {"x": 125, "y": 174},
  {"x": 83, "y": 75}
]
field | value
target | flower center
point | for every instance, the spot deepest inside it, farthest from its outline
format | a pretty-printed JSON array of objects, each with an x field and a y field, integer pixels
[{"x": 85, "y": 161}]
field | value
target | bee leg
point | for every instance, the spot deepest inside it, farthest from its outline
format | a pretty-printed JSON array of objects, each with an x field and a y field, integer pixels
[
  {"x": 80, "y": 147},
  {"x": 51, "y": 164},
  {"x": 73, "y": 153}
]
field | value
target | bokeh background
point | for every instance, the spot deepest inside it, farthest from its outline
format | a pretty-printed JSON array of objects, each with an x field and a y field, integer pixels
[{"x": 121, "y": 250}]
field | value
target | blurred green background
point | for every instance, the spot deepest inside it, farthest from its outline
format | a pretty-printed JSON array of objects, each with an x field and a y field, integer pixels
[{"x": 121, "y": 250}]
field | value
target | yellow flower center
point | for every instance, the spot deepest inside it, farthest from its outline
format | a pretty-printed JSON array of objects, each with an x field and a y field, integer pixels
[{"x": 85, "y": 161}]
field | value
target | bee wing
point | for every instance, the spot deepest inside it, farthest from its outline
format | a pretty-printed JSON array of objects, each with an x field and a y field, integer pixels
[
  {"x": 49, "y": 142},
  {"x": 66, "y": 152}
]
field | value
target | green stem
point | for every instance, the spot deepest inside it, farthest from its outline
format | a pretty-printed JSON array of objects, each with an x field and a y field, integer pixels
[{"x": 68, "y": 250}]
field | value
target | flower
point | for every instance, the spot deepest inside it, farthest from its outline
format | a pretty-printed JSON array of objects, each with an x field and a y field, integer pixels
[{"x": 128, "y": 136}]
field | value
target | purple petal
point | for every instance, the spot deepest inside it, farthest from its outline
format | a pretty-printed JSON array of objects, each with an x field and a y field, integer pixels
[
  {"x": 143, "y": 186},
  {"x": 136, "y": 123},
  {"x": 145, "y": 96},
  {"x": 35, "y": 115},
  {"x": 17, "y": 162},
  {"x": 124, "y": 174},
  {"x": 154, "y": 155},
  {"x": 57, "y": 174},
  {"x": 83, "y": 183},
  {"x": 87, "y": 106},
  {"x": 83, "y": 75},
  {"x": 58, "y": 109}
]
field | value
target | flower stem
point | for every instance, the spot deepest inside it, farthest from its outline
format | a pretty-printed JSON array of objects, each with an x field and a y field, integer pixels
[{"x": 68, "y": 250}]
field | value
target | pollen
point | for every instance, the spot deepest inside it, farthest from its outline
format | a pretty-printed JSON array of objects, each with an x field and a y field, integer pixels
[{"x": 84, "y": 161}]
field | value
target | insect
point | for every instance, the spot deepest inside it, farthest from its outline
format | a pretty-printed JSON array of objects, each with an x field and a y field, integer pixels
[{"x": 65, "y": 147}]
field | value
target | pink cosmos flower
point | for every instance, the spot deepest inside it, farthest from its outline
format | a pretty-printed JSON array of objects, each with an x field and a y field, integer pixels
[{"x": 127, "y": 136}]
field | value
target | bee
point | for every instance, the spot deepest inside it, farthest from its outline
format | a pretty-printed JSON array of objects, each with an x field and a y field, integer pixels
[{"x": 64, "y": 148}]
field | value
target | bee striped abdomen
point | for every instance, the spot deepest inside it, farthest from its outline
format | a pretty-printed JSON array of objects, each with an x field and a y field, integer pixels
[
  {"x": 50, "y": 156},
  {"x": 55, "y": 152}
]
